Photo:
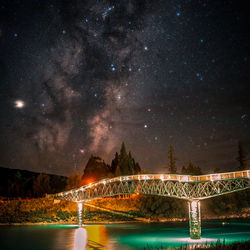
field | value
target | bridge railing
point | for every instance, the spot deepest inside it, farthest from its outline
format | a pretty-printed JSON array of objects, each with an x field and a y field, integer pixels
[
  {"x": 176, "y": 177},
  {"x": 165, "y": 177},
  {"x": 223, "y": 176}
]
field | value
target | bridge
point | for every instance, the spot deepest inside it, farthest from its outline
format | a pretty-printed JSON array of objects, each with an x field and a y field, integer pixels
[{"x": 187, "y": 187}]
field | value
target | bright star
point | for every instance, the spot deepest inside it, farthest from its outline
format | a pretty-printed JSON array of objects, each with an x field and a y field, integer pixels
[
  {"x": 243, "y": 116},
  {"x": 145, "y": 125},
  {"x": 19, "y": 104}
]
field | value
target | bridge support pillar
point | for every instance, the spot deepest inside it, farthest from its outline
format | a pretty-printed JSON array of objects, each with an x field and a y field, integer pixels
[
  {"x": 194, "y": 219},
  {"x": 80, "y": 208}
]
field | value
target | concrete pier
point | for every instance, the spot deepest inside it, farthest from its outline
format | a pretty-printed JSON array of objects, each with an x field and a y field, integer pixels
[
  {"x": 194, "y": 219},
  {"x": 80, "y": 208}
]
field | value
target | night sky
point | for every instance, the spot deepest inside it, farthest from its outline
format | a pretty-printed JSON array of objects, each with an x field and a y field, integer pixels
[{"x": 79, "y": 77}]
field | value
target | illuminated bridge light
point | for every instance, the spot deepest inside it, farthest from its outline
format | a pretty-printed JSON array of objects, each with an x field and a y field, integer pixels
[
  {"x": 162, "y": 177},
  {"x": 218, "y": 177},
  {"x": 80, "y": 240},
  {"x": 185, "y": 178},
  {"x": 116, "y": 179},
  {"x": 215, "y": 177}
]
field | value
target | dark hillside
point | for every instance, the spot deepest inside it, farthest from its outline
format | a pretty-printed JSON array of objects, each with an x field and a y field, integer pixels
[{"x": 23, "y": 183}]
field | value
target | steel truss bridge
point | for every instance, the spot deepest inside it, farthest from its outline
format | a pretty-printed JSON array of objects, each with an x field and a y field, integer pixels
[{"x": 187, "y": 187}]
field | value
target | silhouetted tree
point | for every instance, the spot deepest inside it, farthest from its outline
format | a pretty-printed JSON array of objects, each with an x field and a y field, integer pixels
[
  {"x": 131, "y": 163},
  {"x": 184, "y": 170},
  {"x": 217, "y": 170},
  {"x": 242, "y": 156},
  {"x": 96, "y": 169},
  {"x": 137, "y": 168},
  {"x": 115, "y": 162},
  {"x": 124, "y": 164},
  {"x": 74, "y": 181},
  {"x": 191, "y": 169},
  {"x": 172, "y": 160},
  {"x": 41, "y": 185},
  {"x": 118, "y": 171},
  {"x": 15, "y": 186},
  {"x": 123, "y": 153}
]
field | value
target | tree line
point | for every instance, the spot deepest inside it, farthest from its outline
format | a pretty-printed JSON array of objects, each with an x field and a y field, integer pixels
[
  {"x": 192, "y": 169},
  {"x": 122, "y": 164},
  {"x": 21, "y": 183}
]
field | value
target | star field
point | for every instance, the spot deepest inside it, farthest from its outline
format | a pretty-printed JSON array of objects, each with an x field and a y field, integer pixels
[{"x": 79, "y": 77}]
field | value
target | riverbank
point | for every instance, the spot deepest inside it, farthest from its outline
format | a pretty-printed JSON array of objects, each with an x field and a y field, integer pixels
[
  {"x": 43, "y": 211},
  {"x": 218, "y": 246},
  {"x": 227, "y": 221}
]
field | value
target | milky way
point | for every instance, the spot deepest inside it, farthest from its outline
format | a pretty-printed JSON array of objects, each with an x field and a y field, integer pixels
[{"x": 92, "y": 74}]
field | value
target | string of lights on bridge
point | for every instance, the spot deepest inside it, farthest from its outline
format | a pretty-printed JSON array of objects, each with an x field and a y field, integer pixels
[{"x": 166, "y": 177}]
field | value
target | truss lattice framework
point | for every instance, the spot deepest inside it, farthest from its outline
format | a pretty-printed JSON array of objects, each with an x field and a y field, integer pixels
[{"x": 178, "y": 186}]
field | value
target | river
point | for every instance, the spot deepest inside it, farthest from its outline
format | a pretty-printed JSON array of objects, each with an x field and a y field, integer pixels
[{"x": 118, "y": 236}]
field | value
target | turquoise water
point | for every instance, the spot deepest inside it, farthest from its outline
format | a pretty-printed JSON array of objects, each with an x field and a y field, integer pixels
[{"x": 119, "y": 236}]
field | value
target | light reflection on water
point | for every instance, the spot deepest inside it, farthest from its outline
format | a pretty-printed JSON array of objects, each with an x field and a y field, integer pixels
[
  {"x": 80, "y": 238},
  {"x": 80, "y": 241},
  {"x": 118, "y": 236}
]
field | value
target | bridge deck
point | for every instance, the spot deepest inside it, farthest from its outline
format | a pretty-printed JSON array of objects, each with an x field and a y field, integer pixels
[
  {"x": 172, "y": 185},
  {"x": 182, "y": 178}
]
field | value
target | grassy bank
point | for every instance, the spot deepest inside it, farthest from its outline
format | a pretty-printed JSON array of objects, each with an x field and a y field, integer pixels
[
  {"x": 42, "y": 210},
  {"x": 217, "y": 246}
]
